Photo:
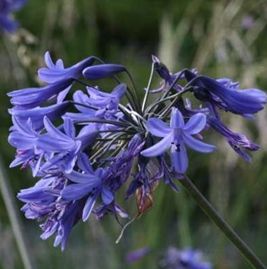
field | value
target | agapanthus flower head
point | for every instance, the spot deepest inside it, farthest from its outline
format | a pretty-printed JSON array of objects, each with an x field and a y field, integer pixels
[
  {"x": 7, "y": 7},
  {"x": 82, "y": 144}
]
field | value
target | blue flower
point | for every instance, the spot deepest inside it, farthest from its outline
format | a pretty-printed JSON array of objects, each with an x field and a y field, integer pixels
[
  {"x": 33, "y": 97},
  {"x": 63, "y": 146},
  {"x": 176, "y": 137},
  {"x": 7, "y": 7},
  {"x": 184, "y": 259},
  {"x": 38, "y": 113},
  {"x": 24, "y": 138},
  {"x": 89, "y": 184},
  {"x": 98, "y": 104},
  {"x": 167, "y": 76},
  {"x": 44, "y": 203},
  {"x": 55, "y": 72},
  {"x": 239, "y": 142},
  {"x": 226, "y": 94}
]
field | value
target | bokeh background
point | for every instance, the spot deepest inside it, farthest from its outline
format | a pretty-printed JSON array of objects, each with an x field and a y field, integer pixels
[{"x": 219, "y": 38}]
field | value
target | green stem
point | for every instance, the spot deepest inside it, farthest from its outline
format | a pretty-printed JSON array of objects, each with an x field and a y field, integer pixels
[
  {"x": 14, "y": 219},
  {"x": 222, "y": 224},
  {"x": 148, "y": 87}
]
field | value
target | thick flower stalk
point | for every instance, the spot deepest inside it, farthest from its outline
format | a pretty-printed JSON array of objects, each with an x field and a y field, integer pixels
[
  {"x": 84, "y": 143},
  {"x": 7, "y": 7}
]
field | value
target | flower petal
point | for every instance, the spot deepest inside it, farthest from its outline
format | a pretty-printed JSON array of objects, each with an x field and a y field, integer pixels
[
  {"x": 197, "y": 145},
  {"x": 53, "y": 131},
  {"x": 107, "y": 196},
  {"x": 119, "y": 90},
  {"x": 157, "y": 127},
  {"x": 88, "y": 179},
  {"x": 75, "y": 191},
  {"x": 177, "y": 119},
  {"x": 159, "y": 147},
  {"x": 89, "y": 205},
  {"x": 69, "y": 128},
  {"x": 179, "y": 158},
  {"x": 195, "y": 124}
]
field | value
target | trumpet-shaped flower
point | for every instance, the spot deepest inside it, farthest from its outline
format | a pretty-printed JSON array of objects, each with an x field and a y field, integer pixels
[
  {"x": 33, "y": 97},
  {"x": 176, "y": 136},
  {"x": 38, "y": 113},
  {"x": 63, "y": 146},
  {"x": 97, "y": 103},
  {"x": 87, "y": 184},
  {"x": 57, "y": 72},
  {"x": 226, "y": 94}
]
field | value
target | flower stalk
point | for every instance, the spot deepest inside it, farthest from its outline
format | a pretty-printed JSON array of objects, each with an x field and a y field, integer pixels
[{"x": 209, "y": 210}]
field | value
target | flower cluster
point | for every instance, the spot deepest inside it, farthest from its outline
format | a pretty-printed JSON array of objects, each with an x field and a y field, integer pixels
[
  {"x": 7, "y": 7},
  {"x": 184, "y": 259},
  {"x": 82, "y": 141}
]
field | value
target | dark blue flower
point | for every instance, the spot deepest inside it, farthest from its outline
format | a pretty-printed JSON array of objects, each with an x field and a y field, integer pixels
[
  {"x": 239, "y": 142},
  {"x": 169, "y": 78},
  {"x": 226, "y": 94},
  {"x": 176, "y": 137},
  {"x": 56, "y": 72},
  {"x": 33, "y": 97}
]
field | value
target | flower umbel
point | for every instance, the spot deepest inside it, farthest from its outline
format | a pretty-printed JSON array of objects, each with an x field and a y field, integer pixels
[{"x": 84, "y": 144}]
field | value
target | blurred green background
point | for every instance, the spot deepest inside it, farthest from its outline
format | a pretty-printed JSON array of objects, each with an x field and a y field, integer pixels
[{"x": 219, "y": 38}]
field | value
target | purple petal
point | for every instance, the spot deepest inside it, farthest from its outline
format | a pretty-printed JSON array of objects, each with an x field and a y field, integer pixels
[
  {"x": 88, "y": 179},
  {"x": 84, "y": 164},
  {"x": 159, "y": 147},
  {"x": 107, "y": 196},
  {"x": 197, "y": 145},
  {"x": 195, "y": 124},
  {"x": 62, "y": 95},
  {"x": 50, "y": 144},
  {"x": 75, "y": 191},
  {"x": 179, "y": 158},
  {"x": 69, "y": 128},
  {"x": 89, "y": 205},
  {"x": 157, "y": 127},
  {"x": 48, "y": 60},
  {"x": 119, "y": 90},
  {"x": 177, "y": 119},
  {"x": 54, "y": 132}
]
